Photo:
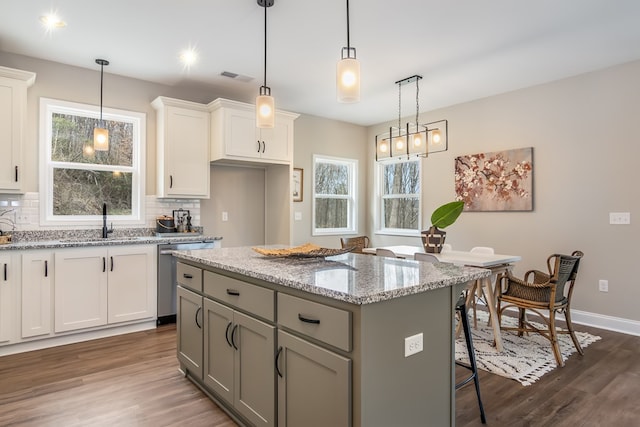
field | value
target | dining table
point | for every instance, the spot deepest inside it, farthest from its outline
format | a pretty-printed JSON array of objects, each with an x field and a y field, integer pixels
[{"x": 499, "y": 264}]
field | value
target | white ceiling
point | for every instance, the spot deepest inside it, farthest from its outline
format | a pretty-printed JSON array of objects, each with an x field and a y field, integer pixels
[{"x": 465, "y": 49}]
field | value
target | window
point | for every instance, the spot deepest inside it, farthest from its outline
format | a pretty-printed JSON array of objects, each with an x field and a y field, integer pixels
[
  {"x": 75, "y": 180},
  {"x": 399, "y": 201},
  {"x": 334, "y": 195}
]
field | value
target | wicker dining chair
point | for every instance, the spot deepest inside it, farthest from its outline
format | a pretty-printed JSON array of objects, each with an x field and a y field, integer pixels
[
  {"x": 539, "y": 291},
  {"x": 358, "y": 243}
]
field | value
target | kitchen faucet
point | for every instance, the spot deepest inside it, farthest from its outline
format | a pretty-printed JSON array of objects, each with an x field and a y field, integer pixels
[{"x": 105, "y": 230}]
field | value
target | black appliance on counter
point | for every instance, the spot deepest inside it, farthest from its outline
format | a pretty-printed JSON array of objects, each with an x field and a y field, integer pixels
[{"x": 167, "y": 283}]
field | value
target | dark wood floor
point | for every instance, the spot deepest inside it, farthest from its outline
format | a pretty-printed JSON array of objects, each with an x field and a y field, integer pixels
[{"x": 133, "y": 380}]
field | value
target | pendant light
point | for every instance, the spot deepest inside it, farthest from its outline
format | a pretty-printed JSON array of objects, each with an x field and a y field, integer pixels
[
  {"x": 265, "y": 105},
  {"x": 348, "y": 72},
  {"x": 100, "y": 133}
]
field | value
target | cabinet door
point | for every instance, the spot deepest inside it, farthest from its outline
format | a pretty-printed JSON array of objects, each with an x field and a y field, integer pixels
[
  {"x": 218, "y": 349},
  {"x": 11, "y": 108},
  {"x": 189, "y": 331},
  {"x": 254, "y": 395},
  {"x": 241, "y": 134},
  {"x": 314, "y": 388},
  {"x": 278, "y": 142},
  {"x": 37, "y": 275},
  {"x": 80, "y": 288},
  {"x": 187, "y": 153},
  {"x": 8, "y": 280},
  {"x": 132, "y": 283}
]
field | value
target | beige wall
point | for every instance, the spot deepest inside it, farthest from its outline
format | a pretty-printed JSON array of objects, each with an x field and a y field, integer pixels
[
  {"x": 586, "y": 140},
  {"x": 315, "y": 135}
]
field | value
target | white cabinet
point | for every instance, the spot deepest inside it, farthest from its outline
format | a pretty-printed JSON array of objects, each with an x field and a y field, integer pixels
[
  {"x": 182, "y": 148},
  {"x": 36, "y": 290},
  {"x": 99, "y": 286},
  {"x": 13, "y": 119},
  {"x": 8, "y": 283},
  {"x": 234, "y": 135}
]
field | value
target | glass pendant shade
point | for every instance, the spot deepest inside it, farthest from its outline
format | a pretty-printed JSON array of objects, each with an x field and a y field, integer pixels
[
  {"x": 348, "y": 80},
  {"x": 265, "y": 109},
  {"x": 100, "y": 139}
]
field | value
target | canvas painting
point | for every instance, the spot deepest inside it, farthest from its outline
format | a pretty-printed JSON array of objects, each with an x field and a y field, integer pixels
[{"x": 496, "y": 181}]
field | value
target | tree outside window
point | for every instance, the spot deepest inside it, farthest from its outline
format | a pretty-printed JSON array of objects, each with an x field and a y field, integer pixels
[
  {"x": 334, "y": 195},
  {"x": 400, "y": 201},
  {"x": 78, "y": 180}
]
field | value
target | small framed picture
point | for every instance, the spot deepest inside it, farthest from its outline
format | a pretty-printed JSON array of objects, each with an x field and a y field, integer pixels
[{"x": 296, "y": 184}]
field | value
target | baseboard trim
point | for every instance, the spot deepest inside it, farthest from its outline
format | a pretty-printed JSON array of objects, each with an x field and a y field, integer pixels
[
  {"x": 600, "y": 321},
  {"x": 610, "y": 323},
  {"x": 70, "y": 338}
]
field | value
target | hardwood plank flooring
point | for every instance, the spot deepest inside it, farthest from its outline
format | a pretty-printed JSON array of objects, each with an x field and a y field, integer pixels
[{"x": 133, "y": 380}]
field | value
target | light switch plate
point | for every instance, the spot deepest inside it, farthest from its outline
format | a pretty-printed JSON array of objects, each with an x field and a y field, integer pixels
[
  {"x": 297, "y": 216},
  {"x": 619, "y": 217}
]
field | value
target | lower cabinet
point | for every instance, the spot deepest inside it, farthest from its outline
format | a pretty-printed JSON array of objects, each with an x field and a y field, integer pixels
[
  {"x": 97, "y": 286},
  {"x": 314, "y": 384},
  {"x": 8, "y": 284},
  {"x": 190, "y": 332},
  {"x": 238, "y": 361},
  {"x": 36, "y": 293}
]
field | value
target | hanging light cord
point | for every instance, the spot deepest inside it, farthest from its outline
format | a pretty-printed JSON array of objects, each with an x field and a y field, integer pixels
[
  {"x": 265, "y": 44},
  {"x": 417, "y": 102},
  {"x": 101, "y": 84},
  {"x": 348, "y": 41},
  {"x": 399, "y": 105}
]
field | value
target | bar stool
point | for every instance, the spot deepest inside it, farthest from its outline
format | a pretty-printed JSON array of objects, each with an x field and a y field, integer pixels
[{"x": 461, "y": 308}]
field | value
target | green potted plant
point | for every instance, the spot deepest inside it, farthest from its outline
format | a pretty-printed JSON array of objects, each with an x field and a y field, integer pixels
[{"x": 442, "y": 217}]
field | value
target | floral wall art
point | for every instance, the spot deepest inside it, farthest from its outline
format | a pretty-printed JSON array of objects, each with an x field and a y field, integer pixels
[{"x": 497, "y": 181}]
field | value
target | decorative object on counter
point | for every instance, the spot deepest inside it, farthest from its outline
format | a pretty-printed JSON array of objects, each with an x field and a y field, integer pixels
[
  {"x": 442, "y": 217},
  {"x": 308, "y": 250},
  {"x": 348, "y": 72},
  {"x": 265, "y": 105},
  {"x": 182, "y": 220},
  {"x": 165, "y": 224},
  {"x": 297, "y": 184},
  {"x": 497, "y": 181},
  {"x": 100, "y": 133},
  {"x": 4, "y": 238},
  {"x": 413, "y": 139}
]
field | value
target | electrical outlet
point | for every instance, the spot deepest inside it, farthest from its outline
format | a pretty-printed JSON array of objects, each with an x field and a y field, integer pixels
[
  {"x": 619, "y": 217},
  {"x": 225, "y": 216},
  {"x": 297, "y": 216},
  {"x": 603, "y": 285},
  {"x": 413, "y": 344}
]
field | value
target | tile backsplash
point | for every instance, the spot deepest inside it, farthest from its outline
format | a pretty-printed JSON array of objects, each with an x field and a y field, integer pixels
[{"x": 22, "y": 212}]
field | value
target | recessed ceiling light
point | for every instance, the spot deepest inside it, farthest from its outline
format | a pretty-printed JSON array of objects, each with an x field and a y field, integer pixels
[
  {"x": 52, "y": 21},
  {"x": 189, "y": 57}
]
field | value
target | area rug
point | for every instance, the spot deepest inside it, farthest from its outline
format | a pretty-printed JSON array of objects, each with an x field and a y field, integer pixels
[{"x": 524, "y": 359}]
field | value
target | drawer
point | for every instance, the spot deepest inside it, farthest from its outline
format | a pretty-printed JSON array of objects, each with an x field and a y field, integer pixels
[
  {"x": 319, "y": 321},
  {"x": 253, "y": 299},
  {"x": 189, "y": 276}
]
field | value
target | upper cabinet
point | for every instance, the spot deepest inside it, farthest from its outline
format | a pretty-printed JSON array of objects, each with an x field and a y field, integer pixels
[
  {"x": 182, "y": 148},
  {"x": 13, "y": 120},
  {"x": 234, "y": 135}
]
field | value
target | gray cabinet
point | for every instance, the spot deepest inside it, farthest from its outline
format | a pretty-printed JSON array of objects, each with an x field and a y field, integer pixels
[
  {"x": 190, "y": 332},
  {"x": 238, "y": 361},
  {"x": 314, "y": 384}
]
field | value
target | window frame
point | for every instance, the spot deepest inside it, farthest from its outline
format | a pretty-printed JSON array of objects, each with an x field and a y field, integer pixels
[
  {"x": 380, "y": 198},
  {"x": 352, "y": 197},
  {"x": 48, "y": 107}
]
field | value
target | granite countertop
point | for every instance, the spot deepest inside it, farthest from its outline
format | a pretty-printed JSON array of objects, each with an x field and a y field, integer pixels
[
  {"x": 353, "y": 278},
  {"x": 83, "y": 241}
]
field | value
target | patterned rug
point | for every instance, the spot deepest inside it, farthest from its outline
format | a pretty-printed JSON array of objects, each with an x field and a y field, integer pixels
[{"x": 524, "y": 359}]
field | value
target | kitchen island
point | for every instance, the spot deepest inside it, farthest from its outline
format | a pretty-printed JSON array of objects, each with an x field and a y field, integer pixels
[{"x": 320, "y": 341}]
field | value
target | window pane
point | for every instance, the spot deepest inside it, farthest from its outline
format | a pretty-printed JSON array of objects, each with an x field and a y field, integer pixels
[
  {"x": 331, "y": 213},
  {"x": 402, "y": 178},
  {"x": 332, "y": 178},
  {"x": 401, "y": 213},
  {"x": 70, "y": 133},
  {"x": 82, "y": 192}
]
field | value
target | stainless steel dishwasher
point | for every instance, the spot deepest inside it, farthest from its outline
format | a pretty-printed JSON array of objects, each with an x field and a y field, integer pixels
[{"x": 167, "y": 284}]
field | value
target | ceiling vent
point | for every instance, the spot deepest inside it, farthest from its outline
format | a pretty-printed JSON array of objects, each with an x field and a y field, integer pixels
[{"x": 236, "y": 76}]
